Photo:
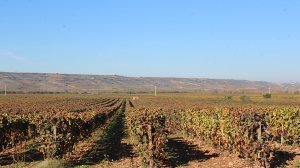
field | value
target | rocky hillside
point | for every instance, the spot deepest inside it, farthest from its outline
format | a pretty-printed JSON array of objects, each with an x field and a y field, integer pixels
[{"x": 62, "y": 82}]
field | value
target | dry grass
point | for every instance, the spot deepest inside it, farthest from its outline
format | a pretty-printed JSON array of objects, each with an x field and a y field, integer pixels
[{"x": 50, "y": 164}]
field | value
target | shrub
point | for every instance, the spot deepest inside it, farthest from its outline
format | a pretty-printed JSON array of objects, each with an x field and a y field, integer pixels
[
  {"x": 245, "y": 98},
  {"x": 228, "y": 97},
  {"x": 267, "y": 95},
  {"x": 215, "y": 92}
]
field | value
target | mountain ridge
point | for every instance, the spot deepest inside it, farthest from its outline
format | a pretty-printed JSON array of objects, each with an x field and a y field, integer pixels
[{"x": 62, "y": 82}]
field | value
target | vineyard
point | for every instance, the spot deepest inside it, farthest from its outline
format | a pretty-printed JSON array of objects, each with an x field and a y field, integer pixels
[{"x": 58, "y": 126}]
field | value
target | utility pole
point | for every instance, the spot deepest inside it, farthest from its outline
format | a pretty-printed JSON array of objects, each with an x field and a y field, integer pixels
[
  {"x": 269, "y": 90},
  {"x": 5, "y": 90},
  {"x": 155, "y": 91}
]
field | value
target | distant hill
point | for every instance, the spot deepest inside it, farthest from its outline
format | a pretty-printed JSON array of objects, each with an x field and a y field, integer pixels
[{"x": 62, "y": 82}]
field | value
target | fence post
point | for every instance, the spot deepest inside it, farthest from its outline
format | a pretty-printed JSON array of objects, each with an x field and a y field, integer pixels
[
  {"x": 281, "y": 134},
  {"x": 259, "y": 131},
  {"x": 150, "y": 147},
  {"x": 259, "y": 137},
  {"x": 54, "y": 138}
]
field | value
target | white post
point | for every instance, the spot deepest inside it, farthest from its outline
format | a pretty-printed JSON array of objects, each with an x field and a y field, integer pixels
[
  {"x": 155, "y": 90},
  {"x": 5, "y": 90}
]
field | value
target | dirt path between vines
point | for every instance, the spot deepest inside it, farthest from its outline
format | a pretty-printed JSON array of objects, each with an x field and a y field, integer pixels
[
  {"x": 184, "y": 152},
  {"x": 187, "y": 152},
  {"x": 103, "y": 146},
  {"x": 195, "y": 153}
]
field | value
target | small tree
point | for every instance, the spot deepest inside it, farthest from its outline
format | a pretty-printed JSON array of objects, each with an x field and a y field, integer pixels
[
  {"x": 228, "y": 97},
  {"x": 267, "y": 95},
  {"x": 245, "y": 98}
]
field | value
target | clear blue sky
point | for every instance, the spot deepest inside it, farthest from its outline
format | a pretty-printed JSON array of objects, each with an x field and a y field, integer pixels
[{"x": 256, "y": 40}]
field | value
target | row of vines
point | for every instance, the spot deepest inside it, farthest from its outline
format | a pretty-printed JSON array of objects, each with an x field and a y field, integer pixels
[
  {"x": 246, "y": 131},
  {"x": 56, "y": 124}
]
